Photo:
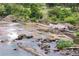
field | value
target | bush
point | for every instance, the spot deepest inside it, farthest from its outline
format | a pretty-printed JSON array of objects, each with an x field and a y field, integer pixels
[
  {"x": 2, "y": 10},
  {"x": 61, "y": 44},
  {"x": 70, "y": 19},
  {"x": 52, "y": 19},
  {"x": 21, "y": 12},
  {"x": 18, "y": 10},
  {"x": 60, "y": 12},
  {"x": 35, "y": 12}
]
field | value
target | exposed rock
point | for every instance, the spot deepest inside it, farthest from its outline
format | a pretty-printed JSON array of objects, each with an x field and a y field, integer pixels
[
  {"x": 45, "y": 45},
  {"x": 44, "y": 40},
  {"x": 61, "y": 27},
  {"x": 12, "y": 18},
  {"x": 70, "y": 27},
  {"x": 20, "y": 37},
  {"x": 28, "y": 37},
  {"x": 70, "y": 35},
  {"x": 73, "y": 51},
  {"x": 31, "y": 50},
  {"x": 54, "y": 37},
  {"x": 39, "y": 39},
  {"x": 9, "y": 18}
]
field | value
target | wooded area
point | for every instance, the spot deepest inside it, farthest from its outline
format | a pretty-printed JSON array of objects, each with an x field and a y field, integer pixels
[{"x": 49, "y": 12}]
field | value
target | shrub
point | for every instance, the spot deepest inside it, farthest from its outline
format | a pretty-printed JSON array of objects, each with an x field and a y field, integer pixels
[
  {"x": 70, "y": 19},
  {"x": 35, "y": 12},
  {"x": 52, "y": 19},
  {"x": 61, "y": 44},
  {"x": 2, "y": 10},
  {"x": 20, "y": 11},
  {"x": 60, "y": 12}
]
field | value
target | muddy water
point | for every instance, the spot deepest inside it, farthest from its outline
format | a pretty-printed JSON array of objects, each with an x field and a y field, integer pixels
[{"x": 10, "y": 31}]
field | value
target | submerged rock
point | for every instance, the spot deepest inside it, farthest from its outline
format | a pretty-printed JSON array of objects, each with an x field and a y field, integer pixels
[{"x": 15, "y": 49}]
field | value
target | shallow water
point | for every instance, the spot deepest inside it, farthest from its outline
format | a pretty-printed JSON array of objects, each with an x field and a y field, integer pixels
[
  {"x": 10, "y": 31},
  {"x": 7, "y": 50}
]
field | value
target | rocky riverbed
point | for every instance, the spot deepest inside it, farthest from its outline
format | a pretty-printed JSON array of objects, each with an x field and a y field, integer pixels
[{"x": 34, "y": 39}]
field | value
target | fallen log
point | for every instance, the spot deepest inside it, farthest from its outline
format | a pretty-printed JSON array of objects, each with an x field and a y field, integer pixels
[{"x": 31, "y": 50}]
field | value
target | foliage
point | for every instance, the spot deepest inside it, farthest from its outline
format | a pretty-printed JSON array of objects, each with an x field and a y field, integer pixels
[
  {"x": 52, "y": 19},
  {"x": 35, "y": 12},
  {"x": 60, "y": 12},
  {"x": 64, "y": 43},
  {"x": 70, "y": 19},
  {"x": 22, "y": 11},
  {"x": 2, "y": 10}
]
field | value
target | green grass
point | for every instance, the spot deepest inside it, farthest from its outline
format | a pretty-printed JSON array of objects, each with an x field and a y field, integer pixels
[{"x": 61, "y": 44}]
